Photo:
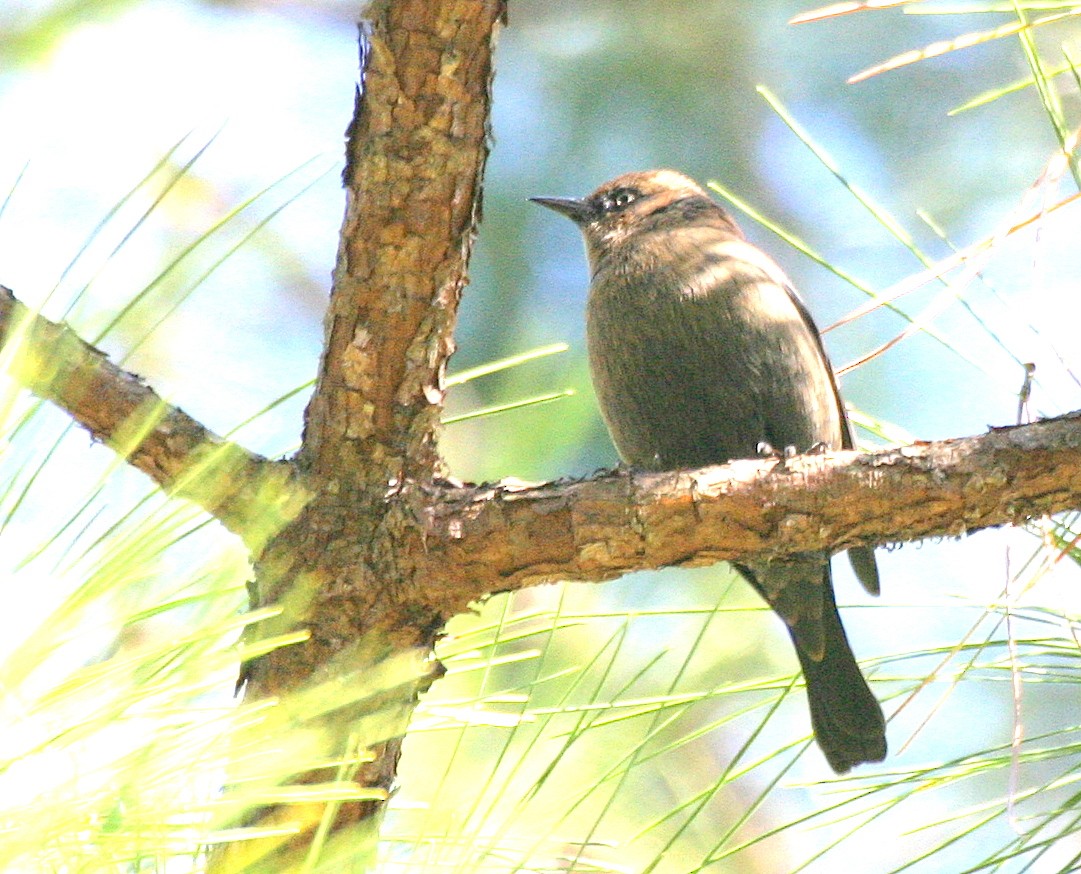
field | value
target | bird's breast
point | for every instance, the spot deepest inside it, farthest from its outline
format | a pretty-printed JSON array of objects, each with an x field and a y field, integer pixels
[{"x": 697, "y": 360}]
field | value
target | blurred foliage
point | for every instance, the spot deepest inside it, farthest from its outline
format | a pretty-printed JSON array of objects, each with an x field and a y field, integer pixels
[{"x": 119, "y": 729}]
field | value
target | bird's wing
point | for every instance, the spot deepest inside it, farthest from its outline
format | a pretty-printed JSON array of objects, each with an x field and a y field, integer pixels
[
  {"x": 847, "y": 437},
  {"x": 862, "y": 558}
]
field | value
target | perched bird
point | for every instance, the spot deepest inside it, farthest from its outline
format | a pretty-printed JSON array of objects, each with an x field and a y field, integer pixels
[{"x": 701, "y": 352}]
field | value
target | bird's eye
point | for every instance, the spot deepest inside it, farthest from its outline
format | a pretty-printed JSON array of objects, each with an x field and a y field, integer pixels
[{"x": 619, "y": 199}]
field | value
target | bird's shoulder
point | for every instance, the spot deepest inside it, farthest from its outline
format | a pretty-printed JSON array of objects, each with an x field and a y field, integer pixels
[{"x": 689, "y": 262}]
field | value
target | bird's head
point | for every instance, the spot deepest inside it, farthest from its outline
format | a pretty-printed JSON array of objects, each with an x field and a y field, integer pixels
[{"x": 636, "y": 204}]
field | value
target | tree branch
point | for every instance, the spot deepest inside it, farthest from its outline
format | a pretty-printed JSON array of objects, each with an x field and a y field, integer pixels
[
  {"x": 251, "y": 496},
  {"x": 485, "y": 539},
  {"x": 416, "y": 152}
]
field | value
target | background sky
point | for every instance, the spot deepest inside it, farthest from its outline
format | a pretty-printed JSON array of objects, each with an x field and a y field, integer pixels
[{"x": 93, "y": 95}]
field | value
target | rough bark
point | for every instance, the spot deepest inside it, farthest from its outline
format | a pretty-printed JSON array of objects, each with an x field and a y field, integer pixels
[
  {"x": 415, "y": 162},
  {"x": 416, "y": 151},
  {"x": 482, "y": 539}
]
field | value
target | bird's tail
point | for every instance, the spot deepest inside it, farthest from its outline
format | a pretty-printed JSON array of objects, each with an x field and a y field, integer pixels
[
  {"x": 847, "y": 719},
  {"x": 845, "y": 715}
]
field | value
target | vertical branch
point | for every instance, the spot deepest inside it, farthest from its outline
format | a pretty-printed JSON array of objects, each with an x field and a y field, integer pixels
[
  {"x": 342, "y": 569},
  {"x": 416, "y": 153}
]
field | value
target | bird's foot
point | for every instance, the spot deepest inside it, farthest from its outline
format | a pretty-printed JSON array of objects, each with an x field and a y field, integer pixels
[{"x": 766, "y": 450}]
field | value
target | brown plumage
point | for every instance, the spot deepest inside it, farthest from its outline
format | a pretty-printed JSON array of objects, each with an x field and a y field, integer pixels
[{"x": 700, "y": 351}]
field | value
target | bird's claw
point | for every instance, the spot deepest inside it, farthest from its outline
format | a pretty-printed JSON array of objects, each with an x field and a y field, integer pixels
[{"x": 766, "y": 450}]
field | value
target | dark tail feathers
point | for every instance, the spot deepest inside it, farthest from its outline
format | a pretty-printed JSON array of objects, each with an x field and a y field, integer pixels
[
  {"x": 846, "y": 718},
  {"x": 845, "y": 715}
]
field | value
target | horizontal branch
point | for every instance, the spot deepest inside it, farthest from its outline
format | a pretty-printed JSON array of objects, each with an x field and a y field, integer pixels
[
  {"x": 474, "y": 540},
  {"x": 250, "y": 495},
  {"x": 493, "y": 538}
]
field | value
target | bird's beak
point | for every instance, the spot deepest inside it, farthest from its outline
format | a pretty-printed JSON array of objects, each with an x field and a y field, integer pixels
[{"x": 576, "y": 209}]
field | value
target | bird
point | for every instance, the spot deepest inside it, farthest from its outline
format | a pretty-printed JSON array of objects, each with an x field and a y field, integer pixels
[{"x": 700, "y": 352}]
